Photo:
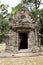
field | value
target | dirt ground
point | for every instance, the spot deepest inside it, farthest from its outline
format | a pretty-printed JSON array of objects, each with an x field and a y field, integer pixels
[{"x": 36, "y": 60}]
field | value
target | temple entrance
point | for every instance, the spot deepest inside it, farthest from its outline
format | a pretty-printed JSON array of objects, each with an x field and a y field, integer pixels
[{"x": 23, "y": 41}]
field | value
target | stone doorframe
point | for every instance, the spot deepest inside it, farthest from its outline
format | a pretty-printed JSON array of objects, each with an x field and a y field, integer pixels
[{"x": 18, "y": 39}]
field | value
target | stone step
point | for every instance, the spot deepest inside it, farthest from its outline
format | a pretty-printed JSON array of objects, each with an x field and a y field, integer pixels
[
  {"x": 27, "y": 54},
  {"x": 23, "y": 51},
  {"x": 6, "y": 54}
]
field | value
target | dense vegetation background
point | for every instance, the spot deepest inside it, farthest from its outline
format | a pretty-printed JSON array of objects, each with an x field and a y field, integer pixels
[{"x": 5, "y": 16}]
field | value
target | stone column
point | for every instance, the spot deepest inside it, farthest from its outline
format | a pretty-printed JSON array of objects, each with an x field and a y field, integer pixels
[
  {"x": 17, "y": 42},
  {"x": 36, "y": 38},
  {"x": 39, "y": 41},
  {"x": 31, "y": 40}
]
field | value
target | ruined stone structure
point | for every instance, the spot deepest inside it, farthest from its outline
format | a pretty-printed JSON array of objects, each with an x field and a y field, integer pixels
[{"x": 23, "y": 32}]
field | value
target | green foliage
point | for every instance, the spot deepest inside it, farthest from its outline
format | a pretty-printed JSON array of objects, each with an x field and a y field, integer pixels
[
  {"x": 41, "y": 13},
  {"x": 4, "y": 21},
  {"x": 33, "y": 12},
  {"x": 40, "y": 22},
  {"x": 4, "y": 11},
  {"x": 26, "y": 1},
  {"x": 41, "y": 26},
  {"x": 35, "y": 2},
  {"x": 3, "y": 25},
  {"x": 14, "y": 10},
  {"x": 1, "y": 36}
]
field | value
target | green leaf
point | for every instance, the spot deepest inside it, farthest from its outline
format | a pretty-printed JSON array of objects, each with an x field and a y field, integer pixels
[{"x": 14, "y": 10}]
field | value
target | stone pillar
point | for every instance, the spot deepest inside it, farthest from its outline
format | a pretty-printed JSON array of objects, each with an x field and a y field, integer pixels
[
  {"x": 31, "y": 40},
  {"x": 39, "y": 41},
  {"x": 36, "y": 38},
  {"x": 17, "y": 41}
]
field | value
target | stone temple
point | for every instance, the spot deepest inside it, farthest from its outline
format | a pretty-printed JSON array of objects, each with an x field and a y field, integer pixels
[{"x": 22, "y": 36}]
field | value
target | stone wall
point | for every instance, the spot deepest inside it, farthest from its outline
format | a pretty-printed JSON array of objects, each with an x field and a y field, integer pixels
[{"x": 12, "y": 40}]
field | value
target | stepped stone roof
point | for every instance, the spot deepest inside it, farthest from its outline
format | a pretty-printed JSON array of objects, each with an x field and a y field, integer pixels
[{"x": 23, "y": 18}]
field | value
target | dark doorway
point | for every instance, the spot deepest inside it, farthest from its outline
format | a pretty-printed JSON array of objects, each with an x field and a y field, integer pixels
[{"x": 23, "y": 41}]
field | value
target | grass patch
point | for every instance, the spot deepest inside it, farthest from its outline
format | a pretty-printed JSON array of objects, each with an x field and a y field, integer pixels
[
  {"x": 2, "y": 46},
  {"x": 37, "y": 60}
]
